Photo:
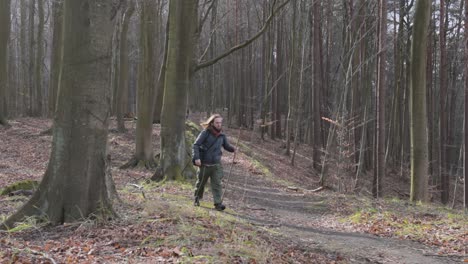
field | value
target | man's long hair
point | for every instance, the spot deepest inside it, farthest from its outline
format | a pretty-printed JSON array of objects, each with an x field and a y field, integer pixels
[{"x": 210, "y": 120}]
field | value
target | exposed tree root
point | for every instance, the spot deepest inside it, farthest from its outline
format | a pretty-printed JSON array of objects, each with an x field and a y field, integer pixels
[{"x": 31, "y": 210}]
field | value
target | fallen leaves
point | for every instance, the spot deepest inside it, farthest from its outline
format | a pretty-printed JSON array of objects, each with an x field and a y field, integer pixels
[
  {"x": 112, "y": 245},
  {"x": 437, "y": 231}
]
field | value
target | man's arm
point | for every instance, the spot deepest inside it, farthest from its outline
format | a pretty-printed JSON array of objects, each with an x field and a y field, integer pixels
[
  {"x": 196, "y": 147},
  {"x": 228, "y": 146}
]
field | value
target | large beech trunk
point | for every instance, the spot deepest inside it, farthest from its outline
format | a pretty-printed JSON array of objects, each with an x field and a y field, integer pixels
[
  {"x": 74, "y": 184},
  {"x": 182, "y": 36}
]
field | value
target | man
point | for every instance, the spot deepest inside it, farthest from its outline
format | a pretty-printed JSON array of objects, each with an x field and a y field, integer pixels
[{"x": 207, "y": 157}]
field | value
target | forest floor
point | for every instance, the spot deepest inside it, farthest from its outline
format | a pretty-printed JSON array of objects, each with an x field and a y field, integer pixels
[{"x": 273, "y": 215}]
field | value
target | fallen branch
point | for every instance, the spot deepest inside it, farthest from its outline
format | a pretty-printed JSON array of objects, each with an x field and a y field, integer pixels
[
  {"x": 258, "y": 209},
  {"x": 447, "y": 256},
  {"x": 318, "y": 189}
]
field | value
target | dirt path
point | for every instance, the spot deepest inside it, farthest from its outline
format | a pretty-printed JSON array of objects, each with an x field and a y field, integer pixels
[{"x": 297, "y": 218}]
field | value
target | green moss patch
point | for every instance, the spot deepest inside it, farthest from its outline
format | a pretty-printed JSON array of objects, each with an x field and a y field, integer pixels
[{"x": 21, "y": 185}]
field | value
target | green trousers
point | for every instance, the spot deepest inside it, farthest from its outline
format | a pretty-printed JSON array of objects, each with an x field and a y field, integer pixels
[{"x": 215, "y": 174}]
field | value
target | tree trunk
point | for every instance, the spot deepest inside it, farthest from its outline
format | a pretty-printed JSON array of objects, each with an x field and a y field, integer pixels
[
  {"x": 291, "y": 82},
  {"x": 159, "y": 93},
  {"x": 465, "y": 168},
  {"x": 146, "y": 85},
  {"x": 74, "y": 184},
  {"x": 30, "y": 74},
  {"x": 317, "y": 86},
  {"x": 122, "y": 88},
  {"x": 115, "y": 61},
  {"x": 444, "y": 177},
  {"x": 55, "y": 63},
  {"x": 38, "y": 62},
  {"x": 433, "y": 145},
  {"x": 418, "y": 116},
  {"x": 267, "y": 51},
  {"x": 4, "y": 37},
  {"x": 379, "y": 173},
  {"x": 299, "y": 103},
  {"x": 183, "y": 17},
  {"x": 23, "y": 58}
]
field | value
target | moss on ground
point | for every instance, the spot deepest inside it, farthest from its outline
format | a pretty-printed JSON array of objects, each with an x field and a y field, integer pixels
[{"x": 21, "y": 185}]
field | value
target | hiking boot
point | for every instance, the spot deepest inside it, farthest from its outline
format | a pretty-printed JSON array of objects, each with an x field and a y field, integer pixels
[
  {"x": 197, "y": 201},
  {"x": 220, "y": 207}
]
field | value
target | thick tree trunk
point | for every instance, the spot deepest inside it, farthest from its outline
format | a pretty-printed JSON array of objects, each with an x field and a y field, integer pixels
[
  {"x": 418, "y": 116},
  {"x": 183, "y": 17},
  {"x": 4, "y": 37},
  {"x": 74, "y": 184}
]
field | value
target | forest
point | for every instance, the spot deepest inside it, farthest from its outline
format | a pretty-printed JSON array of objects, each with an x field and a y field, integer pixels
[{"x": 351, "y": 109}]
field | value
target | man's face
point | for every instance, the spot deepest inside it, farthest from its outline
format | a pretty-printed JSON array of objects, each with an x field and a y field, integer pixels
[{"x": 218, "y": 122}]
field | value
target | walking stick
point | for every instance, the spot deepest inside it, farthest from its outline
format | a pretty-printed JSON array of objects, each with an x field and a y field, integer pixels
[{"x": 232, "y": 164}]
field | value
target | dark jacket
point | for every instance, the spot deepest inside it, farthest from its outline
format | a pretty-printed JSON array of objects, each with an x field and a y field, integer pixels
[{"x": 207, "y": 147}]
